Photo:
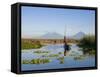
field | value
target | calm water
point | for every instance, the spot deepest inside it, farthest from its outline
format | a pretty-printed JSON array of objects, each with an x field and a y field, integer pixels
[{"x": 70, "y": 61}]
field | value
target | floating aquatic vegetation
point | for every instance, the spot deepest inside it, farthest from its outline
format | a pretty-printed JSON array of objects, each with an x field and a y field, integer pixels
[
  {"x": 26, "y": 62},
  {"x": 40, "y": 61},
  {"x": 81, "y": 57},
  {"x": 61, "y": 60},
  {"x": 39, "y": 52},
  {"x": 60, "y": 53},
  {"x": 36, "y": 61},
  {"x": 53, "y": 55}
]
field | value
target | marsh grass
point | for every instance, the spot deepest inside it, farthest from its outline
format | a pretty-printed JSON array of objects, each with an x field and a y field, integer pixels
[
  {"x": 88, "y": 44},
  {"x": 30, "y": 45}
]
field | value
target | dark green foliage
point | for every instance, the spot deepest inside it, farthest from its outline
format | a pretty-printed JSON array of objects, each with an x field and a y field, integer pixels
[
  {"x": 88, "y": 41},
  {"x": 88, "y": 44}
]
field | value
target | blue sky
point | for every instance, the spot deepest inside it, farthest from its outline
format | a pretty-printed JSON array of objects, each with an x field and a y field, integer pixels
[{"x": 37, "y": 21}]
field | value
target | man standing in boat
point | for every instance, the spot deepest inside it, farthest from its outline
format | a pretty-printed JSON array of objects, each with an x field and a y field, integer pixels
[{"x": 66, "y": 46}]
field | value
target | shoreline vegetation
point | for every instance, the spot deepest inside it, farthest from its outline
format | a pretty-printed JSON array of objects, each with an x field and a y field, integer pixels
[
  {"x": 88, "y": 44},
  {"x": 30, "y": 45},
  {"x": 38, "y": 43}
]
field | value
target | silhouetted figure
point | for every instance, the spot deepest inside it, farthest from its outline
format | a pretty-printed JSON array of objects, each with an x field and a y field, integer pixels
[{"x": 66, "y": 46}]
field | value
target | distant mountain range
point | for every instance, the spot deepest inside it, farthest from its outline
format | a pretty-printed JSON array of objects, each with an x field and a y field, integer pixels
[
  {"x": 52, "y": 35},
  {"x": 79, "y": 35},
  {"x": 55, "y": 35}
]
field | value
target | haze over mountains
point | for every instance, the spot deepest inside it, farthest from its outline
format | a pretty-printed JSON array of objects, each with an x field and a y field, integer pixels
[
  {"x": 55, "y": 35},
  {"x": 79, "y": 35},
  {"x": 52, "y": 35}
]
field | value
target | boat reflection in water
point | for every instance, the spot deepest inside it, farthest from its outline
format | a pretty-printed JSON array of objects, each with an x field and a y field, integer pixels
[{"x": 66, "y": 46}]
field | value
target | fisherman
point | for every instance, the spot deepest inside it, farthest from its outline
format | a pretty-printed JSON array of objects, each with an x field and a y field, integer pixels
[{"x": 66, "y": 46}]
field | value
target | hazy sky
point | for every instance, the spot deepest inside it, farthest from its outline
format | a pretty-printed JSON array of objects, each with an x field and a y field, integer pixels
[{"x": 37, "y": 21}]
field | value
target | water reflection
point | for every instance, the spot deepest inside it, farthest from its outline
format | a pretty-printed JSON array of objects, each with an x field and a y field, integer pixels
[{"x": 52, "y": 56}]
